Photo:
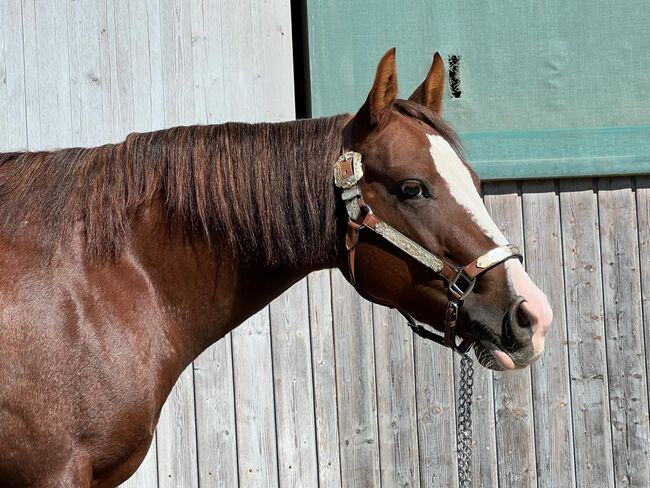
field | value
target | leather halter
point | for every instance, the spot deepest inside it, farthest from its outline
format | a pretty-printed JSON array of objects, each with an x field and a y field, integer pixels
[{"x": 459, "y": 280}]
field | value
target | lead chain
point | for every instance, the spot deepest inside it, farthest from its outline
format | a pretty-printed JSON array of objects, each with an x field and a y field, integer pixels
[{"x": 464, "y": 422}]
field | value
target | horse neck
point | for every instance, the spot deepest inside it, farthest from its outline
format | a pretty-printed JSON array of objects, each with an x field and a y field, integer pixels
[{"x": 214, "y": 286}]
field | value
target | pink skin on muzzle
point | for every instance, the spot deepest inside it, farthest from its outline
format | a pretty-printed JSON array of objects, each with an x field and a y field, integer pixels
[{"x": 535, "y": 305}]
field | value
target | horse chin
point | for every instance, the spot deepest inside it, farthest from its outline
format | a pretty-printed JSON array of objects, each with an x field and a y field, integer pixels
[{"x": 492, "y": 358}]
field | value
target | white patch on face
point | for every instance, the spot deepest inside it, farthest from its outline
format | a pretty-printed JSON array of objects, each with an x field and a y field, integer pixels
[{"x": 461, "y": 187}]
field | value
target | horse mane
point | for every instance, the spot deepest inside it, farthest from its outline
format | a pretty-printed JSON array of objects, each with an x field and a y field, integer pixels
[{"x": 264, "y": 188}]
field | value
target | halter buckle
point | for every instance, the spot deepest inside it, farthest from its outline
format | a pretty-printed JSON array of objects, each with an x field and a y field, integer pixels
[{"x": 461, "y": 286}]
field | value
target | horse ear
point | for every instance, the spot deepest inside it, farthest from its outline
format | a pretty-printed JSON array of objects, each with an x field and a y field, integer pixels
[
  {"x": 431, "y": 92},
  {"x": 383, "y": 91}
]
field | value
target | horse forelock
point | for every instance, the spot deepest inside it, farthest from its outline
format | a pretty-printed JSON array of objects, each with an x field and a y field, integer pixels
[{"x": 265, "y": 190}]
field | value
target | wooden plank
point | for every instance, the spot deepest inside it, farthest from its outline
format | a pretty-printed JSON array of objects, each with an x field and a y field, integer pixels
[
  {"x": 585, "y": 325},
  {"x": 122, "y": 79},
  {"x": 176, "y": 446},
  {"x": 13, "y": 120},
  {"x": 512, "y": 389},
  {"x": 178, "y": 79},
  {"x": 215, "y": 416},
  {"x": 84, "y": 28},
  {"x": 397, "y": 412},
  {"x": 485, "y": 471},
  {"x": 550, "y": 373},
  {"x": 30, "y": 53},
  {"x": 52, "y": 65},
  {"x": 355, "y": 381},
  {"x": 436, "y": 414},
  {"x": 324, "y": 372},
  {"x": 643, "y": 216},
  {"x": 256, "y": 432},
  {"x": 628, "y": 390},
  {"x": 273, "y": 64},
  {"x": 294, "y": 393}
]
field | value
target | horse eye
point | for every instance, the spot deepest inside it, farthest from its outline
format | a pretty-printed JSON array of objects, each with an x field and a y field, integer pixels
[{"x": 413, "y": 189}]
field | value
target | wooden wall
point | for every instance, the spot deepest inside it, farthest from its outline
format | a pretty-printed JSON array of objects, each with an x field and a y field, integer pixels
[{"x": 321, "y": 388}]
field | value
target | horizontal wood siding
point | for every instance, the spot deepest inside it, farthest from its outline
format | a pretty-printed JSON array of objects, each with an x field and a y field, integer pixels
[{"x": 322, "y": 388}]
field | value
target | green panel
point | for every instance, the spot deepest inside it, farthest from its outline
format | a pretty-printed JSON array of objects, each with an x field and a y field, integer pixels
[{"x": 549, "y": 88}]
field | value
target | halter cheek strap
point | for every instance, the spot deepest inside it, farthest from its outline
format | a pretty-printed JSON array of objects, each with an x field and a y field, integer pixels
[{"x": 459, "y": 280}]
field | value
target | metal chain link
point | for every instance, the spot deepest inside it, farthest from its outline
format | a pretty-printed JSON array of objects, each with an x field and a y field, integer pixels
[{"x": 464, "y": 422}]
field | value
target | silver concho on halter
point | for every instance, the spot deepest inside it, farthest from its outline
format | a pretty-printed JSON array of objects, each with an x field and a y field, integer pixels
[{"x": 344, "y": 179}]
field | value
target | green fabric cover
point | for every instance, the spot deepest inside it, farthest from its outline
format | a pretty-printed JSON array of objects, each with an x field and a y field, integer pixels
[{"x": 548, "y": 88}]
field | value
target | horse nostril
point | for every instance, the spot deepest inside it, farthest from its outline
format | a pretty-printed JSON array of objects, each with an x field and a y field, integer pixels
[
  {"x": 519, "y": 323},
  {"x": 523, "y": 318}
]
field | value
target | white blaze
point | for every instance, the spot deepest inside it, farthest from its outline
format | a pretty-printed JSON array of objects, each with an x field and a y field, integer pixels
[
  {"x": 462, "y": 189},
  {"x": 461, "y": 186}
]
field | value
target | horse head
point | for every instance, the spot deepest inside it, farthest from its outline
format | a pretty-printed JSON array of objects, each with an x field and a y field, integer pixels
[{"x": 404, "y": 172}]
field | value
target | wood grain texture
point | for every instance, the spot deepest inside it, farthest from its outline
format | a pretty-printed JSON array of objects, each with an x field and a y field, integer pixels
[
  {"x": 512, "y": 389},
  {"x": 485, "y": 467},
  {"x": 628, "y": 387},
  {"x": 293, "y": 386},
  {"x": 396, "y": 401},
  {"x": 215, "y": 416},
  {"x": 356, "y": 386},
  {"x": 324, "y": 371},
  {"x": 176, "y": 445},
  {"x": 255, "y": 419},
  {"x": 13, "y": 116},
  {"x": 586, "y": 334},
  {"x": 643, "y": 225},
  {"x": 436, "y": 414},
  {"x": 550, "y": 374}
]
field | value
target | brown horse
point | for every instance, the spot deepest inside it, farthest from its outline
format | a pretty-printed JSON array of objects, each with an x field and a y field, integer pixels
[{"x": 121, "y": 263}]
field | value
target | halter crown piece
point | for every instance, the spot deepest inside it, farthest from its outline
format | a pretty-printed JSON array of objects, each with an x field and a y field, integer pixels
[{"x": 459, "y": 280}]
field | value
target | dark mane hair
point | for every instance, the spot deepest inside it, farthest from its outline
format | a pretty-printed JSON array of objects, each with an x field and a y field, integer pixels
[{"x": 264, "y": 188}]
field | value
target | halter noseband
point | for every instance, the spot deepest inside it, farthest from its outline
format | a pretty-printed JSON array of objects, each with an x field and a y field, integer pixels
[{"x": 459, "y": 280}]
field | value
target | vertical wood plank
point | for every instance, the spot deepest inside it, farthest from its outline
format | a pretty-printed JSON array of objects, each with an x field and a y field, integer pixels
[
  {"x": 624, "y": 335},
  {"x": 215, "y": 416},
  {"x": 550, "y": 373},
  {"x": 436, "y": 414},
  {"x": 397, "y": 412},
  {"x": 324, "y": 372},
  {"x": 255, "y": 419},
  {"x": 52, "y": 65},
  {"x": 294, "y": 394},
  {"x": 176, "y": 446},
  {"x": 30, "y": 53},
  {"x": 357, "y": 400},
  {"x": 485, "y": 465},
  {"x": 512, "y": 389},
  {"x": 585, "y": 325},
  {"x": 643, "y": 217},
  {"x": 13, "y": 119}
]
